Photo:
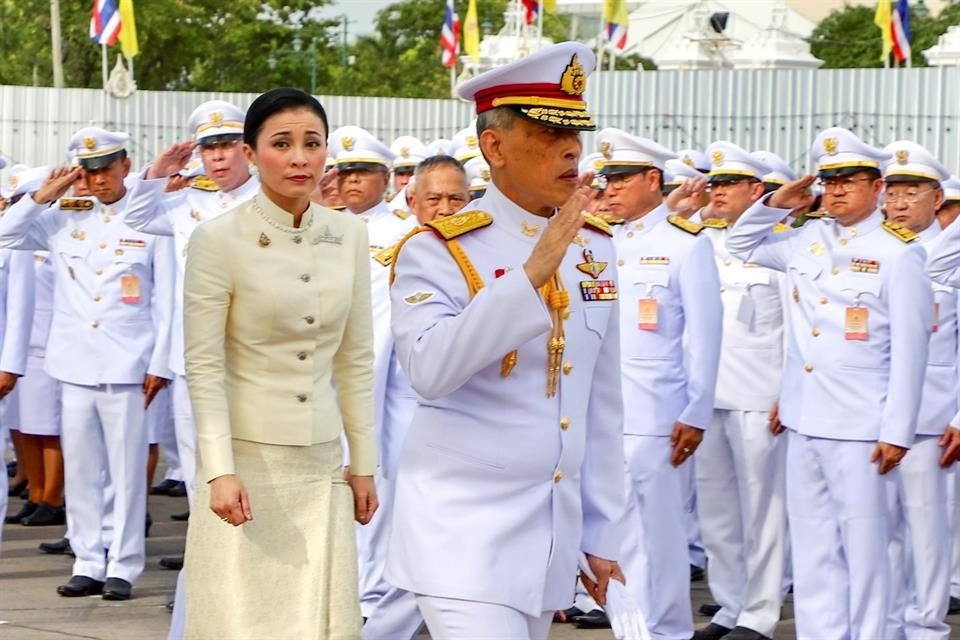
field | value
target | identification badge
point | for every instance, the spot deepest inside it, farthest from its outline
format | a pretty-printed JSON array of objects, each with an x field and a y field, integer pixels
[
  {"x": 856, "y": 324},
  {"x": 936, "y": 317},
  {"x": 746, "y": 310},
  {"x": 647, "y": 314},
  {"x": 130, "y": 287}
]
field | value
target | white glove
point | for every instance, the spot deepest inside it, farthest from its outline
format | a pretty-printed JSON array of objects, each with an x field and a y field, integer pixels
[{"x": 626, "y": 618}]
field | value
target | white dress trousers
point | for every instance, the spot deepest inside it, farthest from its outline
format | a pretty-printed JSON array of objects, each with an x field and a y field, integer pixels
[{"x": 451, "y": 619}]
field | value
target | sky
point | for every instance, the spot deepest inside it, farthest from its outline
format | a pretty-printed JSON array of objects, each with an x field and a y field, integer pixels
[{"x": 360, "y": 13}]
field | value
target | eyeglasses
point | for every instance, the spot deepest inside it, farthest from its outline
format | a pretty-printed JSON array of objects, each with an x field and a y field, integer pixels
[
  {"x": 728, "y": 184},
  {"x": 907, "y": 198},
  {"x": 618, "y": 180},
  {"x": 843, "y": 185}
]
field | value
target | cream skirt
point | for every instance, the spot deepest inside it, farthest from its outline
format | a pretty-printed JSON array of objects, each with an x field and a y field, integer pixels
[{"x": 291, "y": 573}]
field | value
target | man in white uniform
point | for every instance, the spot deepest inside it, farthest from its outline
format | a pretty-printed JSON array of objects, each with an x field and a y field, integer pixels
[
  {"x": 860, "y": 323},
  {"x": 740, "y": 468},
  {"x": 108, "y": 346},
  {"x": 506, "y": 323}
]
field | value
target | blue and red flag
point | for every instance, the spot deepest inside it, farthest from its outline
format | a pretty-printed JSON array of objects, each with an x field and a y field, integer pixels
[
  {"x": 450, "y": 36},
  {"x": 105, "y": 22}
]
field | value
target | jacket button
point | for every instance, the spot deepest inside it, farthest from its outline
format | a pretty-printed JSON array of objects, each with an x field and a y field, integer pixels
[
  {"x": 97, "y": 298},
  {"x": 297, "y": 239},
  {"x": 808, "y": 368},
  {"x": 567, "y": 368},
  {"x": 305, "y": 277},
  {"x": 823, "y": 299},
  {"x": 815, "y": 332},
  {"x": 564, "y": 423},
  {"x": 835, "y": 270},
  {"x": 302, "y": 355},
  {"x": 309, "y": 319},
  {"x": 302, "y": 397},
  {"x": 95, "y": 324},
  {"x": 99, "y": 272},
  {"x": 558, "y": 476}
]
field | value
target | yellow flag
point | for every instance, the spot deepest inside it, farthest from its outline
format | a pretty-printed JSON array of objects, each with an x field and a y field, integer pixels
[
  {"x": 549, "y": 5},
  {"x": 615, "y": 12},
  {"x": 128, "y": 29},
  {"x": 471, "y": 33},
  {"x": 883, "y": 19}
]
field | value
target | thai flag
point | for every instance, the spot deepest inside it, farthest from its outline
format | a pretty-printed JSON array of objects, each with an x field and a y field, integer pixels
[
  {"x": 617, "y": 35},
  {"x": 900, "y": 27},
  {"x": 616, "y": 20},
  {"x": 532, "y": 8},
  {"x": 450, "y": 36},
  {"x": 105, "y": 22}
]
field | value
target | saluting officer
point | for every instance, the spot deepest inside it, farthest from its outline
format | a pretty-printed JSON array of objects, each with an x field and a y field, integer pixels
[
  {"x": 920, "y": 543},
  {"x": 670, "y": 299},
  {"x": 740, "y": 466},
  {"x": 860, "y": 316},
  {"x": 108, "y": 346},
  {"x": 505, "y": 319}
]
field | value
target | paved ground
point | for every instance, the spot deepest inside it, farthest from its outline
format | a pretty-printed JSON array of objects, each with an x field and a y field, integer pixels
[{"x": 30, "y": 609}]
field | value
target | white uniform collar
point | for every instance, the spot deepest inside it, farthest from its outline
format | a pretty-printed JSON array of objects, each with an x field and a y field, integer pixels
[
  {"x": 377, "y": 211},
  {"x": 930, "y": 232},
  {"x": 246, "y": 190},
  {"x": 511, "y": 216},
  {"x": 862, "y": 228}
]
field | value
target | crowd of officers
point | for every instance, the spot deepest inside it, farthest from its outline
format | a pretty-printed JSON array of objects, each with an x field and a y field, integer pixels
[{"x": 837, "y": 330}]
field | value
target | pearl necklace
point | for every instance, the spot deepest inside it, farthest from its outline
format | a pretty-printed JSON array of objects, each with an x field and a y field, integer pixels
[{"x": 277, "y": 225}]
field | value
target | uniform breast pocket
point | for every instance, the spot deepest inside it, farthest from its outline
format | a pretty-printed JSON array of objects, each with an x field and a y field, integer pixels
[
  {"x": 596, "y": 317},
  {"x": 862, "y": 322},
  {"x": 805, "y": 269},
  {"x": 134, "y": 258}
]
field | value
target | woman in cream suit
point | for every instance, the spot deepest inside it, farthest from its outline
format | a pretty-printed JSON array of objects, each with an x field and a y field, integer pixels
[{"x": 279, "y": 359}]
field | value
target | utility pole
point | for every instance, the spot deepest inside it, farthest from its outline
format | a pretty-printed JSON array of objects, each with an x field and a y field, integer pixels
[{"x": 55, "y": 44}]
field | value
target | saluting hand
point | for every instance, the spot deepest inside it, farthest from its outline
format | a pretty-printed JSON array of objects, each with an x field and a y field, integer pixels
[
  {"x": 888, "y": 456},
  {"x": 327, "y": 178},
  {"x": 686, "y": 199},
  {"x": 793, "y": 194},
  {"x": 560, "y": 232},
  {"x": 684, "y": 440},
  {"x": 950, "y": 441},
  {"x": 172, "y": 160},
  {"x": 56, "y": 185}
]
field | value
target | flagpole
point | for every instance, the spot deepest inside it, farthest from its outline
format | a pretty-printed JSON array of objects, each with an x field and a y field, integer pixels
[
  {"x": 103, "y": 64},
  {"x": 540, "y": 25}
]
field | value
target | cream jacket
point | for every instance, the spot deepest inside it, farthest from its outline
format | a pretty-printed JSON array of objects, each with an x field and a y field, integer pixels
[{"x": 277, "y": 333}]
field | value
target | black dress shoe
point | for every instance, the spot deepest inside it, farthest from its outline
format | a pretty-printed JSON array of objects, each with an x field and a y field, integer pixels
[
  {"x": 147, "y": 524},
  {"x": 169, "y": 606},
  {"x": 28, "y": 509},
  {"x": 181, "y": 517},
  {"x": 696, "y": 573},
  {"x": 46, "y": 515},
  {"x": 709, "y": 609},
  {"x": 17, "y": 489},
  {"x": 711, "y": 632},
  {"x": 80, "y": 586},
  {"x": 743, "y": 633},
  {"x": 57, "y": 548},
  {"x": 163, "y": 488},
  {"x": 596, "y": 619},
  {"x": 954, "y": 606},
  {"x": 566, "y": 616},
  {"x": 178, "y": 491},
  {"x": 117, "y": 589},
  {"x": 12, "y": 469},
  {"x": 174, "y": 563}
]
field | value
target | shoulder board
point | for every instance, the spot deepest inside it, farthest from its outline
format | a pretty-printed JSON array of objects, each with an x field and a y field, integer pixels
[
  {"x": 610, "y": 219},
  {"x": 804, "y": 218},
  {"x": 780, "y": 228},
  {"x": 900, "y": 231},
  {"x": 400, "y": 213},
  {"x": 458, "y": 224},
  {"x": 385, "y": 256},
  {"x": 597, "y": 224},
  {"x": 75, "y": 204},
  {"x": 204, "y": 183},
  {"x": 716, "y": 223},
  {"x": 685, "y": 225},
  {"x": 396, "y": 249}
]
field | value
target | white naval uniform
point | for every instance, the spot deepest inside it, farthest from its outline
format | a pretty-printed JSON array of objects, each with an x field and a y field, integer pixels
[
  {"x": 840, "y": 397},
  {"x": 38, "y": 393},
  {"x": 393, "y": 401},
  {"x": 663, "y": 385},
  {"x": 500, "y": 486},
  {"x": 16, "y": 319},
  {"x": 741, "y": 482},
  {"x": 178, "y": 215},
  {"x": 104, "y": 339}
]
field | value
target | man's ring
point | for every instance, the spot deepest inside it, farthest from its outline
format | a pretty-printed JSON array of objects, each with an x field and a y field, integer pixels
[
  {"x": 686, "y": 450},
  {"x": 225, "y": 519}
]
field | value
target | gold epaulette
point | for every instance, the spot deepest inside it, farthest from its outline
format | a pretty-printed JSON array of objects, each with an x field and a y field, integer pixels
[
  {"x": 400, "y": 213},
  {"x": 685, "y": 225},
  {"x": 385, "y": 256},
  {"x": 597, "y": 224},
  {"x": 454, "y": 226},
  {"x": 611, "y": 219},
  {"x": 900, "y": 231},
  {"x": 75, "y": 204},
  {"x": 203, "y": 183},
  {"x": 716, "y": 223},
  {"x": 780, "y": 228}
]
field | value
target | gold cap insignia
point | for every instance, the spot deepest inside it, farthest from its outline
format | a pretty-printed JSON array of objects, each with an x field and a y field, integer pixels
[
  {"x": 830, "y": 146},
  {"x": 471, "y": 141},
  {"x": 485, "y": 174},
  {"x": 717, "y": 157},
  {"x": 598, "y": 165},
  {"x": 902, "y": 156},
  {"x": 606, "y": 149},
  {"x": 347, "y": 143},
  {"x": 90, "y": 143},
  {"x": 13, "y": 181},
  {"x": 574, "y": 79},
  {"x": 216, "y": 117},
  {"x": 687, "y": 160},
  {"x": 404, "y": 151}
]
